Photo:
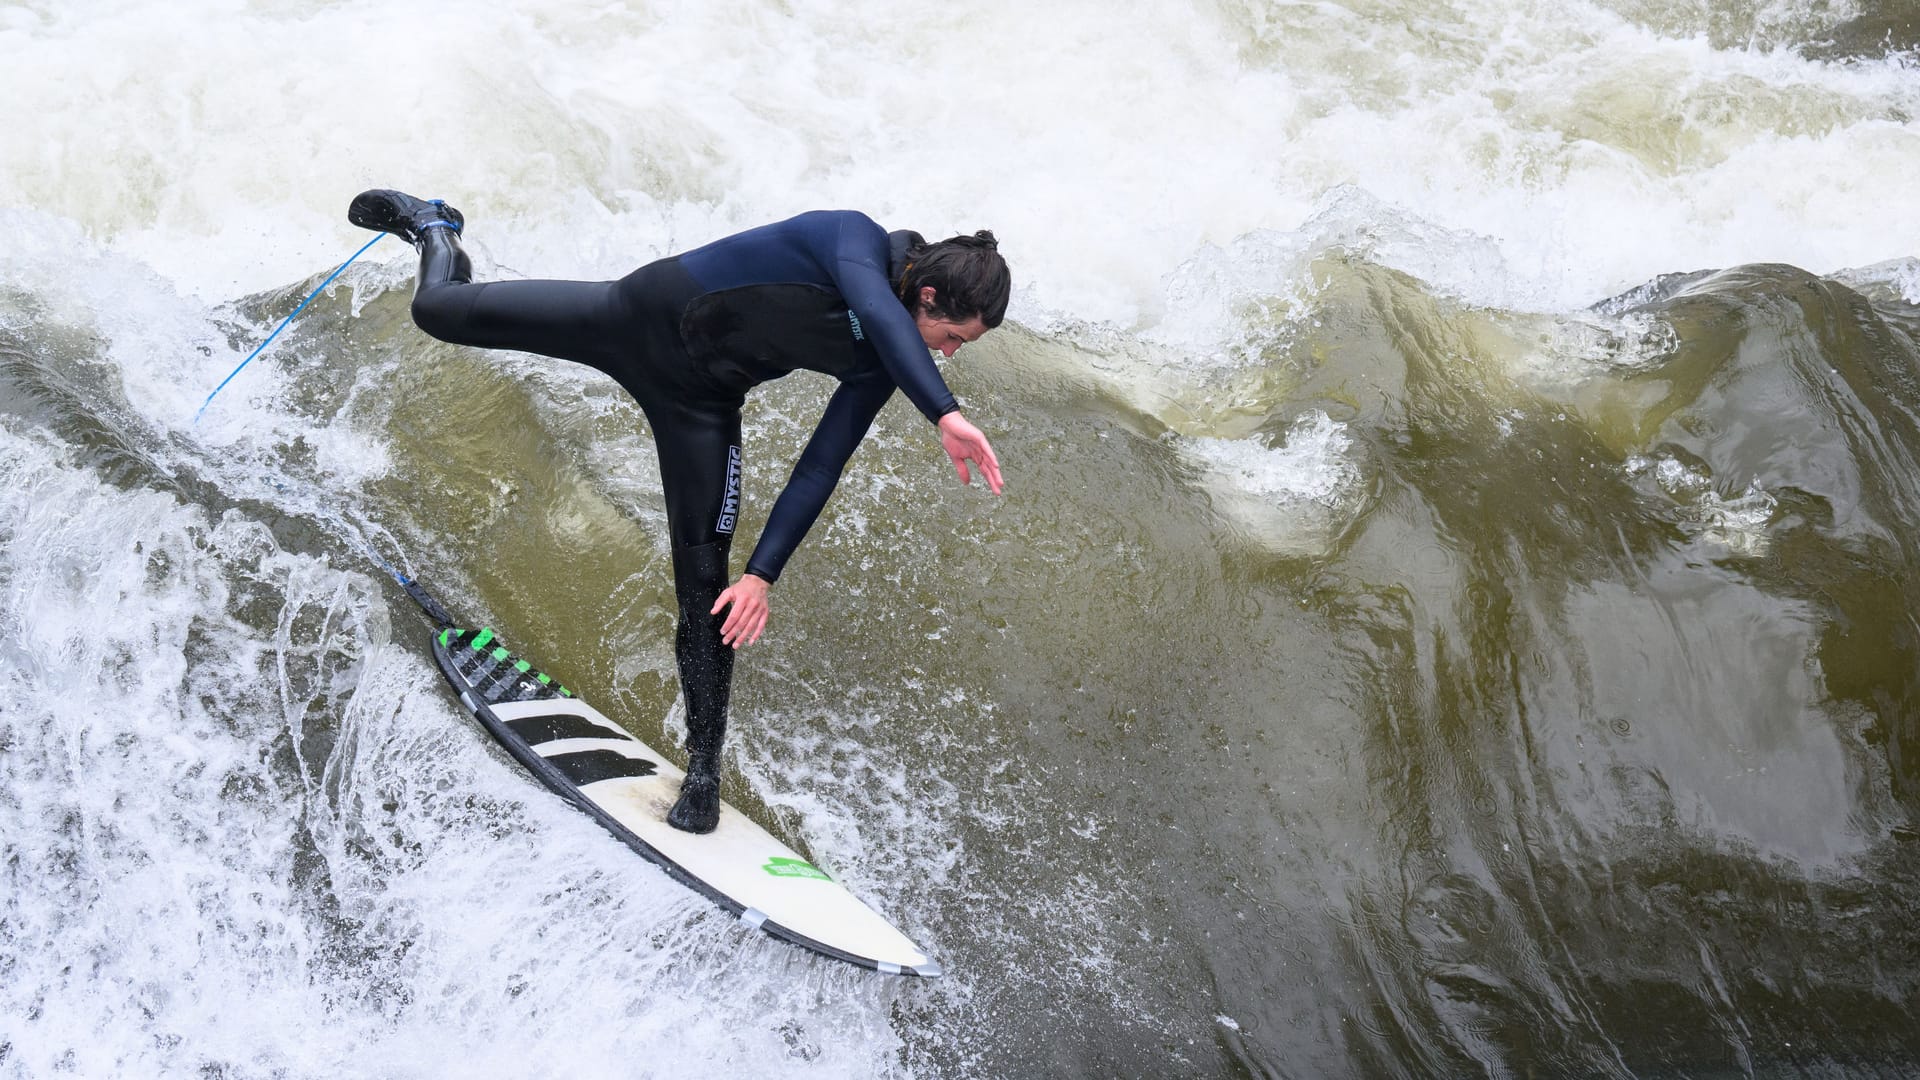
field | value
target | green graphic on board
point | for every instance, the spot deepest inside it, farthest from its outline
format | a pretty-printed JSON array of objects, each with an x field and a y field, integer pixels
[{"x": 780, "y": 866}]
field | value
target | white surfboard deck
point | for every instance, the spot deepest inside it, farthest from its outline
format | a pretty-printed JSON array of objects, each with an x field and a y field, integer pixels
[{"x": 621, "y": 782}]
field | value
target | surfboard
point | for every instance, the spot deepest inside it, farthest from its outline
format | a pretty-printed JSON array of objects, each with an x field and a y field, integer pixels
[{"x": 627, "y": 787}]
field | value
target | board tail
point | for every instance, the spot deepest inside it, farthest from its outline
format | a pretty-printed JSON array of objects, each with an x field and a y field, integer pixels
[{"x": 486, "y": 669}]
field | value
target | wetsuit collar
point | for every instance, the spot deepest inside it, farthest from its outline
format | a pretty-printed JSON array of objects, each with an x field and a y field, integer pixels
[{"x": 898, "y": 242}]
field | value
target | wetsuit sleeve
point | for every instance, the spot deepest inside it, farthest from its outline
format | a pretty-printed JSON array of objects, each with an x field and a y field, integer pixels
[
  {"x": 861, "y": 277},
  {"x": 815, "y": 475}
]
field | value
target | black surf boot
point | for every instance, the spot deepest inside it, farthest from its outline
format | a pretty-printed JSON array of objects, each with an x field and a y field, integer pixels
[
  {"x": 706, "y": 680},
  {"x": 698, "y": 810},
  {"x": 385, "y": 210}
]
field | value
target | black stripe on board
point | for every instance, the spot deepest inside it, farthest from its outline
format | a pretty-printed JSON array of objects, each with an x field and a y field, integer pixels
[
  {"x": 544, "y": 729},
  {"x": 589, "y": 766}
]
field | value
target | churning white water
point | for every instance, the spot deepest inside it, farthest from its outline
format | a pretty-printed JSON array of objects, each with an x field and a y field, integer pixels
[{"x": 1586, "y": 146}]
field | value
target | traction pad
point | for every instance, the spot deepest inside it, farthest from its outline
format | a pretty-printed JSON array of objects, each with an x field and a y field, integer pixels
[{"x": 493, "y": 674}]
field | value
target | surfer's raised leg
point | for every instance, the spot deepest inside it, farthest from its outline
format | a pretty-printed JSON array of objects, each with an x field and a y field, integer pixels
[
  {"x": 579, "y": 321},
  {"x": 706, "y": 678}
]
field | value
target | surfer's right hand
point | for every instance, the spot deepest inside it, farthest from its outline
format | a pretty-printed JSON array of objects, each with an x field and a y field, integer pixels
[
  {"x": 749, "y": 615},
  {"x": 963, "y": 443}
]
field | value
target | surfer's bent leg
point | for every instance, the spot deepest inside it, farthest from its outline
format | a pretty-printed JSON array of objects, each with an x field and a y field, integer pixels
[{"x": 700, "y": 469}]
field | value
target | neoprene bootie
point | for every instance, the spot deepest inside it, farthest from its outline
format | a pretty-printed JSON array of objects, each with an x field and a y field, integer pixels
[
  {"x": 706, "y": 679},
  {"x": 698, "y": 810},
  {"x": 396, "y": 212}
]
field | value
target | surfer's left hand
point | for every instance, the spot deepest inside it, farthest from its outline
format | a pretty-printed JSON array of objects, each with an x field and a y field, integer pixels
[{"x": 749, "y": 615}]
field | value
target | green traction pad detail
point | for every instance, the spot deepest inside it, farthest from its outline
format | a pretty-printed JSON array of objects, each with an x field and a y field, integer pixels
[{"x": 452, "y": 634}]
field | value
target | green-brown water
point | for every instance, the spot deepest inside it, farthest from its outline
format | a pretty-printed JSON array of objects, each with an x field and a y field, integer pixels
[{"x": 1582, "y": 743}]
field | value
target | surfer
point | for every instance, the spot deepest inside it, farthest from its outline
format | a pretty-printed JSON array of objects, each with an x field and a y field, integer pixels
[{"x": 687, "y": 336}]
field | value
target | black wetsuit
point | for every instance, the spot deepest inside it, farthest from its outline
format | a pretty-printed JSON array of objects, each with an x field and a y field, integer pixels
[{"x": 687, "y": 336}]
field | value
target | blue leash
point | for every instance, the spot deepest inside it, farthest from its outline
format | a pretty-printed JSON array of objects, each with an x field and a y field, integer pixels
[
  {"x": 283, "y": 325},
  {"x": 434, "y": 609}
]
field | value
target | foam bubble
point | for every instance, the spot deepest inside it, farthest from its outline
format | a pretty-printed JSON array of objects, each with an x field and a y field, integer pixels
[
  {"x": 1291, "y": 499},
  {"x": 1737, "y": 523}
]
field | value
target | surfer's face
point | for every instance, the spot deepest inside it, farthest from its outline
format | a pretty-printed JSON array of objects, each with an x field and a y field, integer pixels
[{"x": 944, "y": 335}]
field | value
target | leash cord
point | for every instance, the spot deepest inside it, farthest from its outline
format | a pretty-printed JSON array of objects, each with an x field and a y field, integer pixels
[{"x": 283, "y": 325}]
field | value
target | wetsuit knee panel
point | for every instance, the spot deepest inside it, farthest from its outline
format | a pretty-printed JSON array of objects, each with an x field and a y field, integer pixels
[
  {"x": 440, "y": 305},
  {"x": 441, "y": 312}
]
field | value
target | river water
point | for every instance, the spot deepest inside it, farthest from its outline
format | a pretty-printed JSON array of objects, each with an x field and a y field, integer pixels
[{"x": 1452, "y": 613}]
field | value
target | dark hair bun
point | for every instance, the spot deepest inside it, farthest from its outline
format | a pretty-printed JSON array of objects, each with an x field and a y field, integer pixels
[{"x": 967, "y": 275}]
